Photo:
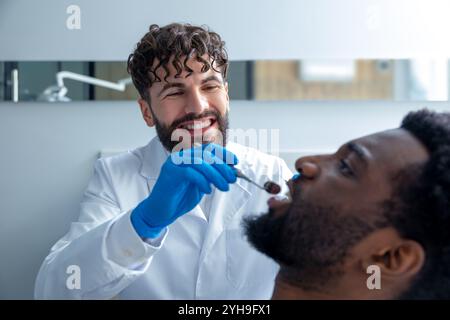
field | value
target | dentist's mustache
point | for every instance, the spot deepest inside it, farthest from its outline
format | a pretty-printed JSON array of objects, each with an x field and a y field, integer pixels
[{"x": 195, "y": 116}]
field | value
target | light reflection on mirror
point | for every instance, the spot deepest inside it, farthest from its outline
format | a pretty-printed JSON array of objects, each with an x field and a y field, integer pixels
[{"x": 311, "y": 80}]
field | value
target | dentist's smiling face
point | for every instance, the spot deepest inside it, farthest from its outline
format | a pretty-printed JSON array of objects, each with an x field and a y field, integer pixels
[
  {"x": 336, "y": 204},
  {"x": 193, "y": 104}
]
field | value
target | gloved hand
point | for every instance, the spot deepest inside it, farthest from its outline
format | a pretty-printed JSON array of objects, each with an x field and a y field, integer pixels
[{"x": 184, "y": 179}]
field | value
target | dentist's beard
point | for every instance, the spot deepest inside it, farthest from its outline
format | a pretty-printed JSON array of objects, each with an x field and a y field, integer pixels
[{"x": 172, "y": 140}]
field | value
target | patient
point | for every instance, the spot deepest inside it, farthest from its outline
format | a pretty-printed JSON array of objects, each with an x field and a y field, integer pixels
[{"x": 381, "y": 200}]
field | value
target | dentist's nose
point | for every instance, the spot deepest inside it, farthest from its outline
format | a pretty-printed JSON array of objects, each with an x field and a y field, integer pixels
[
  {"x": 307, "y": 167},
  {"x": 197, "y": 103}
]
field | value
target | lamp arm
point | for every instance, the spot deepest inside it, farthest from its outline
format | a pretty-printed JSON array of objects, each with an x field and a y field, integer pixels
[{"x": 60, "y": 76}]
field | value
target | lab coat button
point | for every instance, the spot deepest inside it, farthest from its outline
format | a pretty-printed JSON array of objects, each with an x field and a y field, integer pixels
[{"x": 127, "y": 252}]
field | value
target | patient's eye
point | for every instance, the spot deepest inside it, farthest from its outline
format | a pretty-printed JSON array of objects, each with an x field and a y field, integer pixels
[{"x": 345, "y": 169}]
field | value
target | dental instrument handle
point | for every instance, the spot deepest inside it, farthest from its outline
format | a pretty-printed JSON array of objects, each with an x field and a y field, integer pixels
[
  {"x": 270, "y": 186},
  {"x": 239, "y": 174}
]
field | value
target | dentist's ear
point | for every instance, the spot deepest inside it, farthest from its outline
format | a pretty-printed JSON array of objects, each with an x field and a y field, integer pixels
[
  {"x": 226, "y": 90},
  {"x": 146, "y": 112},
  {"x": 228, "y": 96}
]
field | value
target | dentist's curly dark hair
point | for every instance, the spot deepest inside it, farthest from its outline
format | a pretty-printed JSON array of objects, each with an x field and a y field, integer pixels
[
  {"x": 421, "y": 208},
  {"x": 182, "y": 41}
]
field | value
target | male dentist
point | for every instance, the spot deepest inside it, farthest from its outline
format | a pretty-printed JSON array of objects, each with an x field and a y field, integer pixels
[{"x": 151, "y": 227}]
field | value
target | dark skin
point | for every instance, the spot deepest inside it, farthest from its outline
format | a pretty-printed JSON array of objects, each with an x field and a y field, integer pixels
[{"x": 355, "y": 179}]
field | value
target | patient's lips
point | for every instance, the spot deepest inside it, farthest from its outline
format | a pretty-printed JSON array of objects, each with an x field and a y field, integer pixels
[
  {"x": 271, "y": 187},
  {"x": 282, "y": 200},
  {"x": 277, "y": 201}
]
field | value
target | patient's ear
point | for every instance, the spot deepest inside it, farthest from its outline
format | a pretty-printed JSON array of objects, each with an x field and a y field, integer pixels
[
  {"x": 146, "y": 112},
  {"x": 397, "y": 258}
]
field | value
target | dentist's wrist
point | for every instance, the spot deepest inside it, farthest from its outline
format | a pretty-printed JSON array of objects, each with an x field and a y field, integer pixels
[{"x": 142, "y": 228}]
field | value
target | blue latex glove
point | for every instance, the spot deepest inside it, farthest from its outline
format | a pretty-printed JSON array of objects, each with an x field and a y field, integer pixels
[{"x": 184, "y": 179}]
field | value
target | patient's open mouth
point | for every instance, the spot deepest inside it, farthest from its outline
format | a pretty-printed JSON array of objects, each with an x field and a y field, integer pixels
[{"x": 280, "y": 200}]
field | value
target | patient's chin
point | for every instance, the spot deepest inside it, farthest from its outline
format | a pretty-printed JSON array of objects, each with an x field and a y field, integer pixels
[
  {"x": 264, "y": 232},
  {"x": 279, "y": 209}
]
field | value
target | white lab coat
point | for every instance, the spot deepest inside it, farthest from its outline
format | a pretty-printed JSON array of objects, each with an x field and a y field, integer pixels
[{"x": 195, "y": 258}]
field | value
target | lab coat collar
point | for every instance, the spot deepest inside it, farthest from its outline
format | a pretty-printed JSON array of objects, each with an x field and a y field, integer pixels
[
  {"x": 227, "y": 205},
  {"x": 153, "y": 156},
  {"x": 224, "y": 208},
  {"x": 231, "y": 202}
]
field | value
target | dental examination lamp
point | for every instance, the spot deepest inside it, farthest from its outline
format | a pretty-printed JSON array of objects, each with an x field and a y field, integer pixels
[{"x": 58, "y": 93}]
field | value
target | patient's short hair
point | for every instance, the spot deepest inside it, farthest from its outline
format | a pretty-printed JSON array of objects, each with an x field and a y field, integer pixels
[{"x": 420, "y": 209}]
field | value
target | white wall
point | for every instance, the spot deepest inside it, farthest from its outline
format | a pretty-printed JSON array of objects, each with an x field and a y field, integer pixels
[
  {"x": 47, "y": 153},
  {"x": 253, "y": 29}
]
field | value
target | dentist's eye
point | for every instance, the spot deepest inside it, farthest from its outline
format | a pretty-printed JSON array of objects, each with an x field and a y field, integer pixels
[
  {"x": 211, "y": 88},
  {"x": 173, "y": 94},
  {"x": 345, "y": 169}
]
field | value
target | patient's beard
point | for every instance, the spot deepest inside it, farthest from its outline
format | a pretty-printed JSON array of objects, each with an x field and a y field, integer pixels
[{"x": 310, "y": 242}]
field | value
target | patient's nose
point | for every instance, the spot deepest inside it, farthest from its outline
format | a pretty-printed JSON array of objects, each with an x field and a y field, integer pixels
[{"x": 307, "y": 168}]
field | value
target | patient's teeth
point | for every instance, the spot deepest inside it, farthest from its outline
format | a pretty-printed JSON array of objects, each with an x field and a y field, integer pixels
[{"x": 281, "y": 197}]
